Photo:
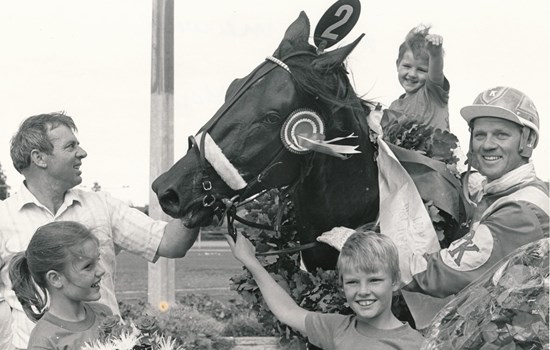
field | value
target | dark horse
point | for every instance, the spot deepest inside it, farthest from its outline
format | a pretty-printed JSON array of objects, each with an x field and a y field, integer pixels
[{"x": 247, "y": 154}]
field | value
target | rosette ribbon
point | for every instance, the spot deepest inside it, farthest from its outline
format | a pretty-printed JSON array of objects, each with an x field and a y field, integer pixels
[{"x": 316, "y": 142}]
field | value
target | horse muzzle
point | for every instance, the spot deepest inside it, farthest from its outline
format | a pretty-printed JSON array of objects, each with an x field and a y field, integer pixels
[
  {"x": 194, "y": 214},
  {"x": 189, "y": 197}
]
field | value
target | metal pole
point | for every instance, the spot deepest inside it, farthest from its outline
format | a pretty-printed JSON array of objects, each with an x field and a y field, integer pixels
[{"x": 161, "y": 275}]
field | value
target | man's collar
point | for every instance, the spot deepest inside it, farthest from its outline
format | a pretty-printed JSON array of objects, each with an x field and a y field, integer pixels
[
  {"x": 523, "y": 174},
  {"x": 25, "y": 196},
  {"x": 71, "y": 196}
]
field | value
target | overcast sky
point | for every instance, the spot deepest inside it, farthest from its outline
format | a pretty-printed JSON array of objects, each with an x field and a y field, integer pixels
[{"x": 92, "y": 59}]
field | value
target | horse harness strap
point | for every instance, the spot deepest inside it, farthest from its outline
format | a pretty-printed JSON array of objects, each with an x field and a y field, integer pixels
[
  {"x": 278, "y": 227},
  {"x": 290, "y": 250},
  {"x": 209, "y": 199},
  {"x": 236, "y": 182},
  {"x": 231, "y": 213},
  {"x": 260, "y": 71}
]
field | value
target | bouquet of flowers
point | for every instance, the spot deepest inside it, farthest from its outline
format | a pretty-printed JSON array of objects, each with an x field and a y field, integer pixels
[
  {"x": 194, "y": 322},
  {"x": 433, "y": 143},
  {"x": 144, "y": 334},
  {"x": 506, "y": 308}
]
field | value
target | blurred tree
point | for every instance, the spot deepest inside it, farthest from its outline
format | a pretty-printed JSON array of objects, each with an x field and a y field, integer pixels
[{"x": 4, "y": 188}]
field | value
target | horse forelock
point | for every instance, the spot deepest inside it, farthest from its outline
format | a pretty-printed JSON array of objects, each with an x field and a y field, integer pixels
[{"x": 330, "y": 86}]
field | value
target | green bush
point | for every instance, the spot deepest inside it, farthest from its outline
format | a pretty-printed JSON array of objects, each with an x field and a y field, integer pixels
[
  {"x": 195, "y": 330},
  {"x": 199, "y": 321}
]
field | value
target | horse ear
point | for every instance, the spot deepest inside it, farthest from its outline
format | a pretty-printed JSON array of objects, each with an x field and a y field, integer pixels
[
  {"x": 331, "y": 59},
  {"x": 296, "y": 35}
]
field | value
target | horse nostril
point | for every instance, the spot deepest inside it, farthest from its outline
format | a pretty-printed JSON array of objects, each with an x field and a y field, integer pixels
[{"x": 169, "y": 202}]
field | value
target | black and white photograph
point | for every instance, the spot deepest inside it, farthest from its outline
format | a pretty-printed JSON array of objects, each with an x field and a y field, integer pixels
[{"x": 252, "y": 175}]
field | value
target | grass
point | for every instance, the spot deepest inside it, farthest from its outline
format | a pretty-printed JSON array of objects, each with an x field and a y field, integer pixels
[{"x": 205, "y": 270}]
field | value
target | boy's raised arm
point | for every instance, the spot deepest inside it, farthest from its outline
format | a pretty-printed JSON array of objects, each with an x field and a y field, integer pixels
[
  {"x": 434, "y": 44},
  {"x": 279, "y": 302}
]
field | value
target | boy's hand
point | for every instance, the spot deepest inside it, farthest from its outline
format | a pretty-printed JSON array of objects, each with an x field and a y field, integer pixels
[
  {"x": 242, "y": 249},
  {"x": 434, "y": 43}
]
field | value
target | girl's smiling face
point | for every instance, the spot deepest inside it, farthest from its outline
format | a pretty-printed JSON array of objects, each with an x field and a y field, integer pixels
[
  {"x": 83, "y": 274},
  {"x": 369, "y": 294},
  {"x": 412, "y": 72}
]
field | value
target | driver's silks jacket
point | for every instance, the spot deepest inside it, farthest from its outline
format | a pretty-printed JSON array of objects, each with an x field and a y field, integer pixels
[{"x": 512, "y": 213}]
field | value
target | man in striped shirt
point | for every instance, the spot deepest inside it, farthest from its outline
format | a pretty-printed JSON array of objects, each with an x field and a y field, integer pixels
[{"x": 47, "y": 153}]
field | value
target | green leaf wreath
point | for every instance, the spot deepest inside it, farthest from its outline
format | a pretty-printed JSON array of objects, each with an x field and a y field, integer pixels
[
  {"x": 434, "y": 143},
  {"x": 506, "y": 308}
]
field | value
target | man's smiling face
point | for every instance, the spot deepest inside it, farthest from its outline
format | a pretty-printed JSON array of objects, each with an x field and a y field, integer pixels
[
  {"x": 495, "y": 144},
  {"x": 63, "y": 164}
]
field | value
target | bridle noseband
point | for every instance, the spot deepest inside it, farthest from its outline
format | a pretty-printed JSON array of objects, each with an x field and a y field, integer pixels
[{"x": 210, "y": 153}]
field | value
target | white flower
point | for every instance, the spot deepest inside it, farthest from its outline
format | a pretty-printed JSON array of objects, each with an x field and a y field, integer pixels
[
  {"x": 166, "y": 343},
  {"x": 128, "y": 340},
  {"x": 98, "y": 346}
]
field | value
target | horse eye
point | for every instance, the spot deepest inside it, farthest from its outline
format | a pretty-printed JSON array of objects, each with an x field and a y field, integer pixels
[{"x": 272, "y": 118}]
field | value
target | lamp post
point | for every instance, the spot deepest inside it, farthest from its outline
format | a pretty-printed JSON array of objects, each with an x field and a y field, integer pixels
[{"x": 161, "y": 275}]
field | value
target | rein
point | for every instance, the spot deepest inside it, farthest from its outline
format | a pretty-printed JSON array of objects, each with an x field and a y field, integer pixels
[{"x": 284, "y": 196}]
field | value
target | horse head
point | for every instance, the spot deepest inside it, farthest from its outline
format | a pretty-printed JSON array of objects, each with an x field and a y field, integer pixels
[{"x": 241, "y": 150}]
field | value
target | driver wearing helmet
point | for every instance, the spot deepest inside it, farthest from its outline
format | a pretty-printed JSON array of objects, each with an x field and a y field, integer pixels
[{"x": 513, "y": 209}]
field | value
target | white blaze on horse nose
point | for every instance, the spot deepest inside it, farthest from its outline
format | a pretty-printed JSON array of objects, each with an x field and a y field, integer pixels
[{"x": 229, "y": 174}]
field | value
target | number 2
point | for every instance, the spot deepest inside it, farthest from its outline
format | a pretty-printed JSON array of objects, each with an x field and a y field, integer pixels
[{"x": 348, "y": 12}]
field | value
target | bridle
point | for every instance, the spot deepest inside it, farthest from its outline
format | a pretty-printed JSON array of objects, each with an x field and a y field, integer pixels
[{"x": 208, "y": 151}]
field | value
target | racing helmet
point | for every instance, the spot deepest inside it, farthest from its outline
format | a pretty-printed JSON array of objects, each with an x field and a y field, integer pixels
[{"x": 509, "y": 104}]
